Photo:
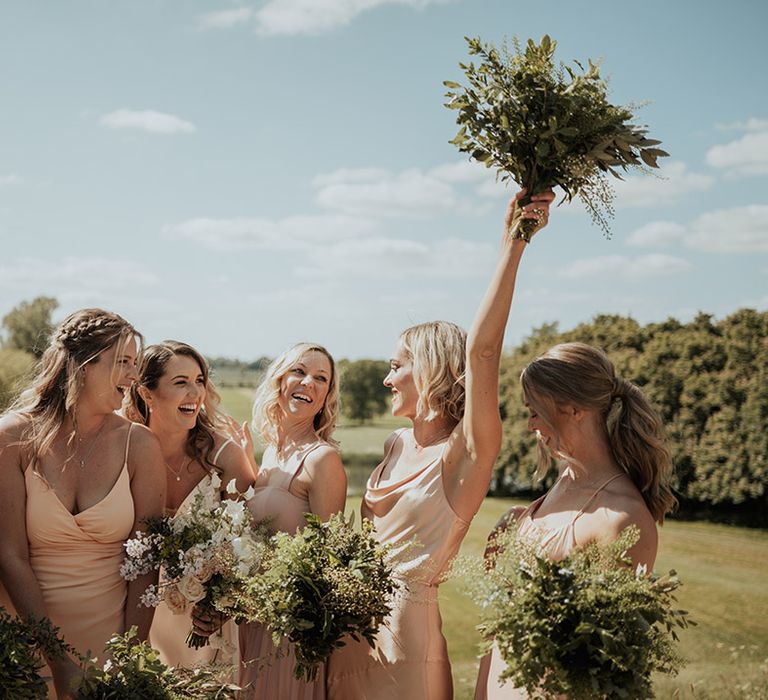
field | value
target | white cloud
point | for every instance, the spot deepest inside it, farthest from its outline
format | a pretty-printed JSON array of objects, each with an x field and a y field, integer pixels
[
  {"x": 752, "y": 124},
  {"x": 147, "y": 120},
  {"x": 292, "y": 233},
  {"x": 225, "y": 18},
  {"x": 738, "y": 230},
  {"x": 745, "y": 156},
  {"x": 11, "y": 179},
  {"x": 74, "y": 275},
  {"x": 671, "y": 184},
  {"x": 292, "y": 17},
  {"x": 659, "y": 233},
  {"x": 641, "y": 267},
  {"x": 370, "y": 192},
  {"x": 397, "y": 258}
]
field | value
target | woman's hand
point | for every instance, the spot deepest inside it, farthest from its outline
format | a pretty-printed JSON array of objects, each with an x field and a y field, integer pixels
[
  {"x": 536, "y": 210},
  {"x": 205, "y": 623},
  {"x": 241, "y": 434}
]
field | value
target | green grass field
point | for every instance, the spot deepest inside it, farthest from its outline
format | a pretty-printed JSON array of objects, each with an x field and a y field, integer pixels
[{"x": 724, "y": 571}]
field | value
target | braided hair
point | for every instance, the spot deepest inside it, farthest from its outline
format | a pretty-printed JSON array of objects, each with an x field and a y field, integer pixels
[{"x": 54, "y": 390}]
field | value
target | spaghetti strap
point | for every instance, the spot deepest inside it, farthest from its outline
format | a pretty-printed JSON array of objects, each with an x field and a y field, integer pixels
[
  {"x": 128, "y": 443},
  {"x": 215, "y": 459},
  {"x": 301, "y": 462},
  {"x": 592, "y": 497}
]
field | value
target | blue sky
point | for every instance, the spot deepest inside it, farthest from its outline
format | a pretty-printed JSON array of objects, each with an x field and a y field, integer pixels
[{"x": 243, "y": 176}]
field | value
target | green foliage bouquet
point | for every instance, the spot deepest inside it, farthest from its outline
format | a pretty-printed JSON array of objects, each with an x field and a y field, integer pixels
[
  {"x": 588, "y": 626},
  {"x": 134, "y": 670},
  {"x": 23, "y": 643},
  {"x": 545, "y": 125},
  {"x": 326, "y": 581}
]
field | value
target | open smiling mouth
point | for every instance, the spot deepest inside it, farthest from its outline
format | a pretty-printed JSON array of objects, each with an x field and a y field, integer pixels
[
  {"x": 301, "y": 397},
  {"x": 188, "y": 409}
]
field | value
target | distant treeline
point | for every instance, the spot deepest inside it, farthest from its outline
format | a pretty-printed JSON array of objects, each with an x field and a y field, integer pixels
[{"x": 708, "y": 379}]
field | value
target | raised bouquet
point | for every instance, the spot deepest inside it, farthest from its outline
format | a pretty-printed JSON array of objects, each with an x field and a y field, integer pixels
[
  {"x": 326, "y": 581},
  {"x": 207, "y": 555},
  {"x": 589, "y": 626},
  {"x": 544, "y": 124}
]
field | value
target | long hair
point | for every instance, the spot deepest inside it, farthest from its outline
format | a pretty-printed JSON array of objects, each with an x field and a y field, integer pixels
[
  {"x": 438, "y": 351},
  {"x": 582, "y": 375},
  {"x": 267, "y": 413},
  {"x": 53, "y": 393},
  {"x": 153, "y": 365}
]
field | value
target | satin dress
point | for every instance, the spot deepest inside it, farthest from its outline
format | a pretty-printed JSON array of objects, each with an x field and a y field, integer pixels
[
  {"x": 410, "y": 658},
  {"x": 169, "y": 632},
  {"x": 267, "y": 673},
  {"x": 558, "y": 543},
  {"x": 77, "y": 558}
]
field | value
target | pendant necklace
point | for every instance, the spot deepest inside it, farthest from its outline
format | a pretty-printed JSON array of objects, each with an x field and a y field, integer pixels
[
  {"x": 95, "y": 439},
  {"x": 177, "y": 474}
]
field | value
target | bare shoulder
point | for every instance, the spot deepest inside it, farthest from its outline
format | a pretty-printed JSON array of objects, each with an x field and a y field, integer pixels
[
  {"x": 325, "y": 459},
  {"x": 144, "y": 443},
  {"x": 391, "y": 439},
  {"x": 627, "y": 508},
  {"x": 12, "y": 426}
]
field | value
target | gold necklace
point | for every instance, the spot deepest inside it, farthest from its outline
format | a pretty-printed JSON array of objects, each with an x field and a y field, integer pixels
[
  {"x": 177, "y": 474},
  {"x": 95, "y": 439}
]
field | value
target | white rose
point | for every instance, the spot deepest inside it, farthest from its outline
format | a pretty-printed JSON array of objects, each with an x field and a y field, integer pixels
[
  {"x": 192, "y": 588},
  {"x": 174, "y": 599}
]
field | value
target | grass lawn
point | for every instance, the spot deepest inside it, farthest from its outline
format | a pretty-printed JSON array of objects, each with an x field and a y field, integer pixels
[{"x": 724, "y": 571}]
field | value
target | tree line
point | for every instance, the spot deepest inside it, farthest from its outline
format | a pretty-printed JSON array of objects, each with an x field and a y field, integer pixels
[{"x": 707, "y": 378}]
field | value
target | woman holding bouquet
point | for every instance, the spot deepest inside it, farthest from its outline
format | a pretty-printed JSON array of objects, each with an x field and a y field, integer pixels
[
  {"x": 301, "y": 472},
  {"x": 76, "y": 480},
  {"x": 614, "y": 467},
  {"x": 175, "y": 398},
  {"x": 433, "y": 479}
]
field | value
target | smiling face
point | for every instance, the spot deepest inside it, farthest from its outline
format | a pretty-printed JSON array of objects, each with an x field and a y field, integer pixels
[
  {"x": 304, "y": 387},
  {"x": 108, "y": 377},
  {"x": 405, "y": 395},
  {"x": 179, "y": 395}
]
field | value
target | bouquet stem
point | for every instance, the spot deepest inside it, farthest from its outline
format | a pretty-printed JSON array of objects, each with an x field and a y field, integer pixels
[{"x": 197, "y": 641}]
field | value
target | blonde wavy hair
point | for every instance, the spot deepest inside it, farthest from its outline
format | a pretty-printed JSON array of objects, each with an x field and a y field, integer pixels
[
  {"x": 583, "y": 376},
  {"x": 153, "y": 365},
  {"x": 267, "y": 413},
  {"x": 438, "y": 350},
  {"x": 55, "y": 388}
]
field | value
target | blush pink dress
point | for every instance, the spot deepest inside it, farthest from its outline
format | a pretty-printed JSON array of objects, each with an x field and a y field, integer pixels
[
  {"x": 557, "y": 543},
  {"x": 169, "y": 632},
  {"x": 410, "y": 659},
  {"x": 77, "y": 558},
  {"x": 266, "y": 673}
]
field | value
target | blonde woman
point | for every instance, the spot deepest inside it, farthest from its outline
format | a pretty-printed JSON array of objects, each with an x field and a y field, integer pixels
[
  {"x": 432, "y": 480},
  {"x": 175, "y": 398},
  {"x": 301, "y": 472},
  {"x": 76, "y": 480},
  {"x": 614, "y": 467}
]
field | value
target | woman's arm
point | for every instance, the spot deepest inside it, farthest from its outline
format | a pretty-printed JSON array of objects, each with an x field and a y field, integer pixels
[
  {"x": 15, "y": 570},
  {"x": 474, "y": 446},
  {"x": 234, "y": 464},
  {"x": 327, "y": 482},
  {"x": 147, "y": 470}
]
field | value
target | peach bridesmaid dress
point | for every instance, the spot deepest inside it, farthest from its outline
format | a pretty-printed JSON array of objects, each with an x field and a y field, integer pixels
[
  {"x": 410, "y": 659},
  {"x": 557, "y": 543},
  {"x": 77, "y": 558},
  {"x": 168, "y": 633},
  {"x": 267, "y": 673}
]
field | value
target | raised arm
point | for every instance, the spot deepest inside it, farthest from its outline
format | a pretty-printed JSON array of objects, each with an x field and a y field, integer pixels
[
  {"x": 475, "y": 444},
  {"x": 15, "y": 570},
  {"x": 147, "y": 470}
]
